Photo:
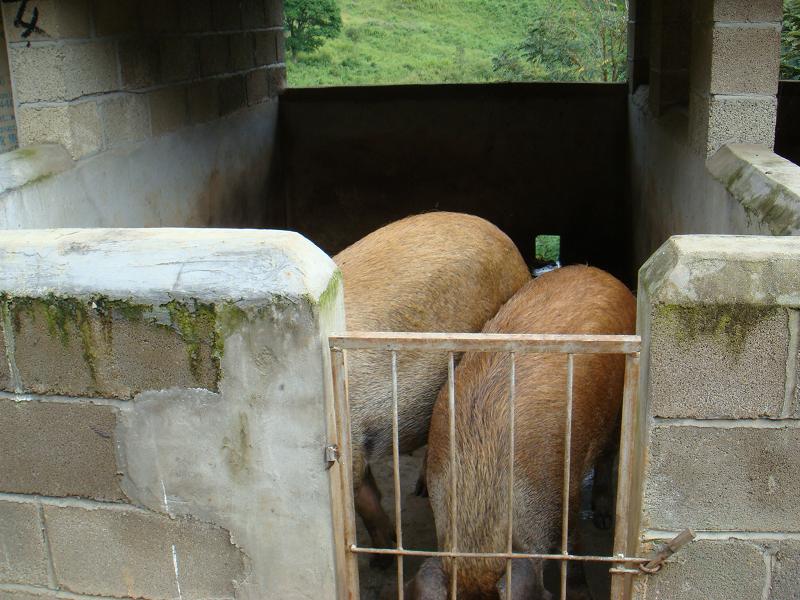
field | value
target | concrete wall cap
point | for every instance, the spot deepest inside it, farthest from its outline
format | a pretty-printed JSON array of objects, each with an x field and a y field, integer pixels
[
  {"x": 154, "y": 266},
  {"x": 724, "y": 269},
  {"x": 765, "y": 184},
  {"x": 32, "y": 164}
]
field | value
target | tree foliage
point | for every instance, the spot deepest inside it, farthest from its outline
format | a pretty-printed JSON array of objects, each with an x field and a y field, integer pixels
[
  {"x": 583, "y": 42},
  {"x": 790, "y": 40},
  {"x": 309, "y": 23}
]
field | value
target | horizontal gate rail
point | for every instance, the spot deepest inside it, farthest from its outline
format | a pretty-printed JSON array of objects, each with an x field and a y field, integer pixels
[{"x": 487, "y": 342}]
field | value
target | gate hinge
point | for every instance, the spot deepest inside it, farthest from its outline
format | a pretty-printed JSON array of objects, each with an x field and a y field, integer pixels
[{"x": 331, "y": 455}]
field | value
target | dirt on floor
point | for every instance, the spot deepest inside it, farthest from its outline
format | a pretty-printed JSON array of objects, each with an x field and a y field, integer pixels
[{"x": 419, "y": 533}]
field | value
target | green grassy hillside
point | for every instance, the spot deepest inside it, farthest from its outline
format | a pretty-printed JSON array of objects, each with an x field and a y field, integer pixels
[{"x": 416, "y": 41}]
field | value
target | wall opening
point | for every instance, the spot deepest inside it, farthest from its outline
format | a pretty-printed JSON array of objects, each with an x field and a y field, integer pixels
[{"x": 368, "y": 42}]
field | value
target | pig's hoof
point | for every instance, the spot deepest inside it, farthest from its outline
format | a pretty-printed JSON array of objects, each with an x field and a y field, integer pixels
[{"x": 602, "y": 519}]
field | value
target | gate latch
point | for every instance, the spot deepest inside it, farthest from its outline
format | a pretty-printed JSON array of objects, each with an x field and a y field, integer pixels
[
  {"x": 331, "y": 455},
  {"x": 667, "y": 550}
]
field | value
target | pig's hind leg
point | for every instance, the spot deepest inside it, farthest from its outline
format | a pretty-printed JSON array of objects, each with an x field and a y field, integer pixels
[{"x": 379, "y": 527}]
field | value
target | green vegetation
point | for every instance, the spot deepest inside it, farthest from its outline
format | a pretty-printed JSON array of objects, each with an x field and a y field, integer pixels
[
  {"x": 448, "y": 41},
  {"x": 309, "y": 23},
  {"x": 790, "y": 40}
]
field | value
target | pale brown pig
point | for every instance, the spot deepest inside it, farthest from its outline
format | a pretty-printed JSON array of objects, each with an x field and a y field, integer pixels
[
  {"x": 574, "y": 299},
  {"x": 442, "y": 272}
]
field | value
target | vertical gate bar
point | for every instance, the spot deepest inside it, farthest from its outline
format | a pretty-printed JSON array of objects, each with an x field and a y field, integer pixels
[
  {"x": 511, "y": 403},
  {"x": 620, "y": 582},
  {"x": 451, "y": 403},
  {"x": 566, "y": 482},
  {"x": 348, "y": 571},
  {"x": 396, "y": 466}
]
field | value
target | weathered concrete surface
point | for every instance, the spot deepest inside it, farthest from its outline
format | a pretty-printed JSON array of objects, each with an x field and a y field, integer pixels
[
  {"x": 731, "y": 360},
  {"x": 86, "y": 348},
  {"x": 785, "y": 570},
  {"x": 261, "y": 476},
  {"x": 215, "y": 173},
  {"x": 20, "y": 167},
  {"x": 705, "y": 570},
  {"x": 732, "y": 479},
  {"x": 122, "y": 552},
  {"x": 674, "y": 193},
  {"x": 58, "y": 450},
  {"x": 22, "y": 554},
  {"x": 765, "y": 184},
  {"x": 717, "y": 310}
]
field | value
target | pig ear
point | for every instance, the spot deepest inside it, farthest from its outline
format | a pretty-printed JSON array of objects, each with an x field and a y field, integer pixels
[
  {"x": 430, "y": 582},
  {"x": 526, "y": 582}
]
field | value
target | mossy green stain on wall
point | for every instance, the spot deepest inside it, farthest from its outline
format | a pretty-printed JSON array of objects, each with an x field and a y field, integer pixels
[
  {"x": 728, "y": 323},
  {"x": 196, "y": 322}
]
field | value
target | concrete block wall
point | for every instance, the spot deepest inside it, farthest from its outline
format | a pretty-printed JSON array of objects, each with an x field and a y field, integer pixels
[
  {"x": 734, "y": 73},
  {"x": 720, "y": 425},
  {"x": 104, "y": 75},
  {"x": 164, "y": 418}
]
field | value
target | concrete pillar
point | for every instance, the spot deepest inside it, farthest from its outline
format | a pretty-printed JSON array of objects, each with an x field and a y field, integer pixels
[
  {"x": 669, "y": 53},
  {"x": 734, "y": 73},
  {"x": 165, "y": 411},
  {"x": 720, "y": 422}
]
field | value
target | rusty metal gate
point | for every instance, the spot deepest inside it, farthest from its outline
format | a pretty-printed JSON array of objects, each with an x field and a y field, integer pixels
[{"x": 623, "y": 564}]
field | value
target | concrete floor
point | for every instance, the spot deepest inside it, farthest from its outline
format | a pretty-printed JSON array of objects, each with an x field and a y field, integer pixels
[{"x": 419, "y": 534}]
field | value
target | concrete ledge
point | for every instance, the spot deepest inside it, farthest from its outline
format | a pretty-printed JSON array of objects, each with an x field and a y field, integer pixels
[
  {"x": 31, "y": 165},
  {"x": 244, "y": 456},
  {"x": 766, "y": 185}
]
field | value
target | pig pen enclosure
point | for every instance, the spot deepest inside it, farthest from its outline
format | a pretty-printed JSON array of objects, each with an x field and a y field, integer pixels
[{"x": 382, "y": 153}]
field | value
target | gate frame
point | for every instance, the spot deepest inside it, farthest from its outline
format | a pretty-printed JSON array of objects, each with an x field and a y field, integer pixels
[{"x": 624, "y": 562}]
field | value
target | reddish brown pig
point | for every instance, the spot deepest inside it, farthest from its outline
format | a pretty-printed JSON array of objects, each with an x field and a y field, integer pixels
[
  {"x": 570, "y": 300},
  {"x": 438, "y": 271}
]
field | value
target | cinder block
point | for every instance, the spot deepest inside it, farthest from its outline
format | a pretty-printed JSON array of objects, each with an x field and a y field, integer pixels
[
  {"x": 22, "y": 553},
  {"x": 241, "y": 51},
  {"x": 196, "y": 16},
  {"x": 78, "y": 127},
  {"x": 204, "y": 101},
  {"x": 731, "y": 361},
  {"x": 254, "y": 14},
  {"x": 266, "y": 43},
  {"x": 126, "y": 119},
  {"x": 226, "y": 15},
  {"x": 745, "y": 60},
  {"x": 232, "y": 94},
  {"x": 157, "y": 16},
  {"x": 754, "y": 11},
  {"x": 730, "y": 479},
  {"x": 53, "y": 73},
  {"x": 168, "y": 109},
  {"x": 716, "y": 121},
  {"x": 214, "y": 51},
  {"x": 65, "y": 348},
  {"x": 115, "y": 18},
  {"x": 257, "y": 86},
  {"x": 275, "y": 13},
  {"x": 785, "y": 571},
  {"x": 704, "y": 570},
  {"x": 179, "y": 58},
  {"x": 136, "y": 554},
  {"x": 58, "y": 19},
  {"x": 56, "y": 449},
  {"x": 277, "y": 80},
  {"x": 140, "y": 62}
]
